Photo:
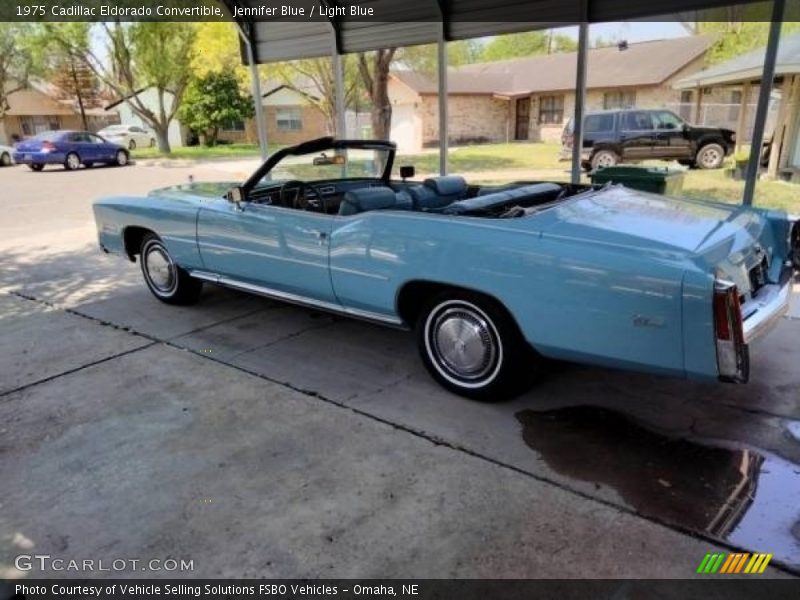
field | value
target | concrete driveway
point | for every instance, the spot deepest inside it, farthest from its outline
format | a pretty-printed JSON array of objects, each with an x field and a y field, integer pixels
[{"x": 258, "y": 439}]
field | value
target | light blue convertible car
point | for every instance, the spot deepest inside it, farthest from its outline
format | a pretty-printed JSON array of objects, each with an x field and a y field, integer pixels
[{"x": 494, "y": 279}]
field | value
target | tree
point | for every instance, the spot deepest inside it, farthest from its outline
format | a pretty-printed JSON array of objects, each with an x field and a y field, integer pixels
[
  {"x": 216, "y": 49},
  {"x": 142, "y": 55},
  {"x": 213, "y": 100},
  {"x": 423, "y": 58},
  {"x": 373, "y": 67},
  {"x": 74, "y": 81},
  {"x": 17, "y": 59},
  {"x": 738, "y": 37},
  {"x": 514, "y": 45},
  {"x": 315, "y": 78}
]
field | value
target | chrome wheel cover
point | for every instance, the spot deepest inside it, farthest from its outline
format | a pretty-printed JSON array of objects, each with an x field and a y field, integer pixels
[
  {"x": 463, "y": 344},
  {"x": 710, "y": 157},
  {"x": 604, "y": 159},
  {"x": 122, "y": 158},
  {"x": 159, "y": 269},
  {"x": 73, "y": 161}
]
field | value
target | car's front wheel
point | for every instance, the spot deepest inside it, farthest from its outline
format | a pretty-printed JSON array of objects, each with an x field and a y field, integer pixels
[
  {"x": 166, "y": 280},
  {"x": 5, "y": 159},
  {"x": 472, "y": 347},
  {"x": 710, "y": 156},
  {"x": 121, "y": 158},
  {"x": 72, "y": 161},
  {"x": 604, "y": 158}
]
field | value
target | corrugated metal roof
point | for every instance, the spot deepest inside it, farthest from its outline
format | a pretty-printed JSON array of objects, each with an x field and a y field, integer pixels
[
  {"x": 645, "y": 63},
  {"x": 409, "y": 22},
  {"x": 748, "y": 67}
]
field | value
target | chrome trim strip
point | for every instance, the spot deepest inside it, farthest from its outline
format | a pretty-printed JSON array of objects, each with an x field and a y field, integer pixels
[
  {"x": 297, "y": 299},
  {"x": 767, "y": 307}
]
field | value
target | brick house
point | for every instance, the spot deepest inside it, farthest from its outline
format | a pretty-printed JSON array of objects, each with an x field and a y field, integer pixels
[
  {"x": 290, "y": 114},
  {"x": 531, "y": 98},
  {"x": 35, "y": 108}
]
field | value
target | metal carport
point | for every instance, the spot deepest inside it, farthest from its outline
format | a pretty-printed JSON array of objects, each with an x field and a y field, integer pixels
[{"x": 411, "y": 22}]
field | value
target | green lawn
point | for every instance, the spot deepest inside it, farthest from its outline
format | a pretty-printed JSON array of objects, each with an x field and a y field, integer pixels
[
  {"x": 204, "y": 152},
  {"x": 489, "y": 157}
]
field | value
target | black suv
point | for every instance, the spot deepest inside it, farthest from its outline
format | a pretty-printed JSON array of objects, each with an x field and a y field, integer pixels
[{"x": 632, "y": 135}]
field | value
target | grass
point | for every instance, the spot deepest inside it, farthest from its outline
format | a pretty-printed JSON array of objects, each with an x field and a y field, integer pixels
[
  {"x": 204, "y": 152},
  {"x": 508, "y": 162}
]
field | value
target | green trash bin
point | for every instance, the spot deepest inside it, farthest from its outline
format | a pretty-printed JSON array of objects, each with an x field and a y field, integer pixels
[{"x": 659, "y": 180}]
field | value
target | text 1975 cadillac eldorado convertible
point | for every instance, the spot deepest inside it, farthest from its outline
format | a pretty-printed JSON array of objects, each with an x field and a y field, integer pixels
[{"x": 493, "y": 278}]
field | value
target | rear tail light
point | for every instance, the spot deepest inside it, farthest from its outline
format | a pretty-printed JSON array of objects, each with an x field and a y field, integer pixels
[
  {"x": 48, "y": 146},
  {"x": 794, "y": 245},
  {"x": 733, "y": 362}
]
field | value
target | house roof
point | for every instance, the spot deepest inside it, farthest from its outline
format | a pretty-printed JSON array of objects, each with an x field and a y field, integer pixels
[
  {"x": 302, "y": 85},
  {"x": 748, "y": 67},
  {"x": 644, "y": 63}
]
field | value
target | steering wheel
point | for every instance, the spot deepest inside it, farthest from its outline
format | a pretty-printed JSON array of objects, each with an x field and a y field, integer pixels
[{"x": 301, "y": 199}]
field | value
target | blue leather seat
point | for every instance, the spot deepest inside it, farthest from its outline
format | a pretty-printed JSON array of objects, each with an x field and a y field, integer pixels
[
  {"x": 438, "y": 192},
  {"x": 373, "y": 198},
  {"x": 487, "y": 201}
]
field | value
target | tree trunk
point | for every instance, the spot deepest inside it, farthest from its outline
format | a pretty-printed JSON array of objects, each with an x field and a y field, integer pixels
[
  {"x": 381, "y": 107},
  {"x": 162, "y": 138},
  {"x": 78, "y": 94},
  {"x": 211, "y": 138}
]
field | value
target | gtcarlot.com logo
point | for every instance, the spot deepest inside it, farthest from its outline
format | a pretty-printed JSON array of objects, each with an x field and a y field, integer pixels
[
  {"x": 734, "y": 563},
  {"x": 45, "y": 562}
]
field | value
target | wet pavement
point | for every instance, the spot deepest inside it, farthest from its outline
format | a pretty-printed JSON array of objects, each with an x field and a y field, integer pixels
[{"x": 748, "y": 498}]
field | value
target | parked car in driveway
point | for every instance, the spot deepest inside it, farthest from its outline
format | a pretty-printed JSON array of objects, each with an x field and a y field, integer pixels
[
  {"x": 129, "y": 136},
  {"x": 493, "y": 278},
  {"x": 70, "y": 149},
  {"x": 633, "y": 135},
  {"x": 6, "y": 156}
]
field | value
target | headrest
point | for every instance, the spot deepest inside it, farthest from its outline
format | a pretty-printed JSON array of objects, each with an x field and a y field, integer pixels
[
  {"x": 364, "y": 199},
  {"x": 447, "y": 185}
]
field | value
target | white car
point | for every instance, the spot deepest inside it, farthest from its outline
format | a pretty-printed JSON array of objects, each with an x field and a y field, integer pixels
[
  {"x": 6, "y": 156},
  {"x": 129, "y": 136}
]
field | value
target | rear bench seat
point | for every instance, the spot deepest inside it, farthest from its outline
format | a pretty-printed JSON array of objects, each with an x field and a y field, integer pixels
[{"x": 494, "y": 199}]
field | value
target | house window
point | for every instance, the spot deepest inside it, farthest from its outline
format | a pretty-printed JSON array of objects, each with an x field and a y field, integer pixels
[
  {"x": 619, "y": 100},
  {"x": 39, "y": 124},
  {"x": 686, "y": 105},
  {"x": 233, "y": 125},
  {"x": 551, "y": 109},
  {"x": 289, "y": 119},
  {"x": 736, "y": 103}
]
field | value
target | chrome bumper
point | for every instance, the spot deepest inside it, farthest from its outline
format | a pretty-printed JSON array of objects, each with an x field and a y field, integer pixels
[{"x": 764, "y": 310}]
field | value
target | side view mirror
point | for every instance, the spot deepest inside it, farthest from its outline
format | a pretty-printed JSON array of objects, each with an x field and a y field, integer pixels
[
  {"x": 407, "y": 172},
  {"x": 235, "y": 195}
]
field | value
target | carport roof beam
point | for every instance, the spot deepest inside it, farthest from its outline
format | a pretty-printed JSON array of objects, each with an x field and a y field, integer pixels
[{"x": 412, "y": 22}]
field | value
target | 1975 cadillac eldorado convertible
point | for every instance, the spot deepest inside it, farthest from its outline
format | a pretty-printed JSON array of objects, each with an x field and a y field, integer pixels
[{"x": 495, "y": 278}]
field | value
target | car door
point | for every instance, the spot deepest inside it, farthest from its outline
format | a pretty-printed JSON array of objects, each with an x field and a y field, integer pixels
[
  {"x": 671, "y": 140},
  {"x": 281, "y": 249},
  {"x": 637, "y": 135},
  {"x": 81, "y": 142},
  {"x": 104, "y": 151}
]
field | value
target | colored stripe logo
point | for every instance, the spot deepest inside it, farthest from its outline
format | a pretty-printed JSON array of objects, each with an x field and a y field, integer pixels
[{"x": 734, "y": 563}]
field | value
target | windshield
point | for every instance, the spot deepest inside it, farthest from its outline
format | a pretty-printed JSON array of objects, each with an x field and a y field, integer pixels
[
  {"x": 48, "y": 136},
  {"x": 349, "y": 163}
]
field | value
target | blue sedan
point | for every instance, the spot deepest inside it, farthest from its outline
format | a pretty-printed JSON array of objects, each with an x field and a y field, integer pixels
[{"x": 70, "y": 149}]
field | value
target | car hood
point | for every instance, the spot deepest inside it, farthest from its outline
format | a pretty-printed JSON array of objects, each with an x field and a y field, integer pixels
[
  {"x": 202, "y": 189},
  {"x": 620, "y": 216}
]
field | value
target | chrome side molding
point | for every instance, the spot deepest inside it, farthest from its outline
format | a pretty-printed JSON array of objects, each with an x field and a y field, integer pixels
[{"x": 298, "y": 299}]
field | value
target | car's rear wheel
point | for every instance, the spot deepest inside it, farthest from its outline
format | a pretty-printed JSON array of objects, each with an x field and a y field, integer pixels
[
  {"x": 5, "y": 159},
  {"x": 472, "y": 347},
  {"x": 72, "y": 161},
  {"x": 604, "y": 158},
  {"x": 166, "y": 280},
  {"x": 710, "y": 156},
  {"x": 36, "y": 166},
  {"x": 132, "y": 145},
  {"x": 121, "y": 158}
]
